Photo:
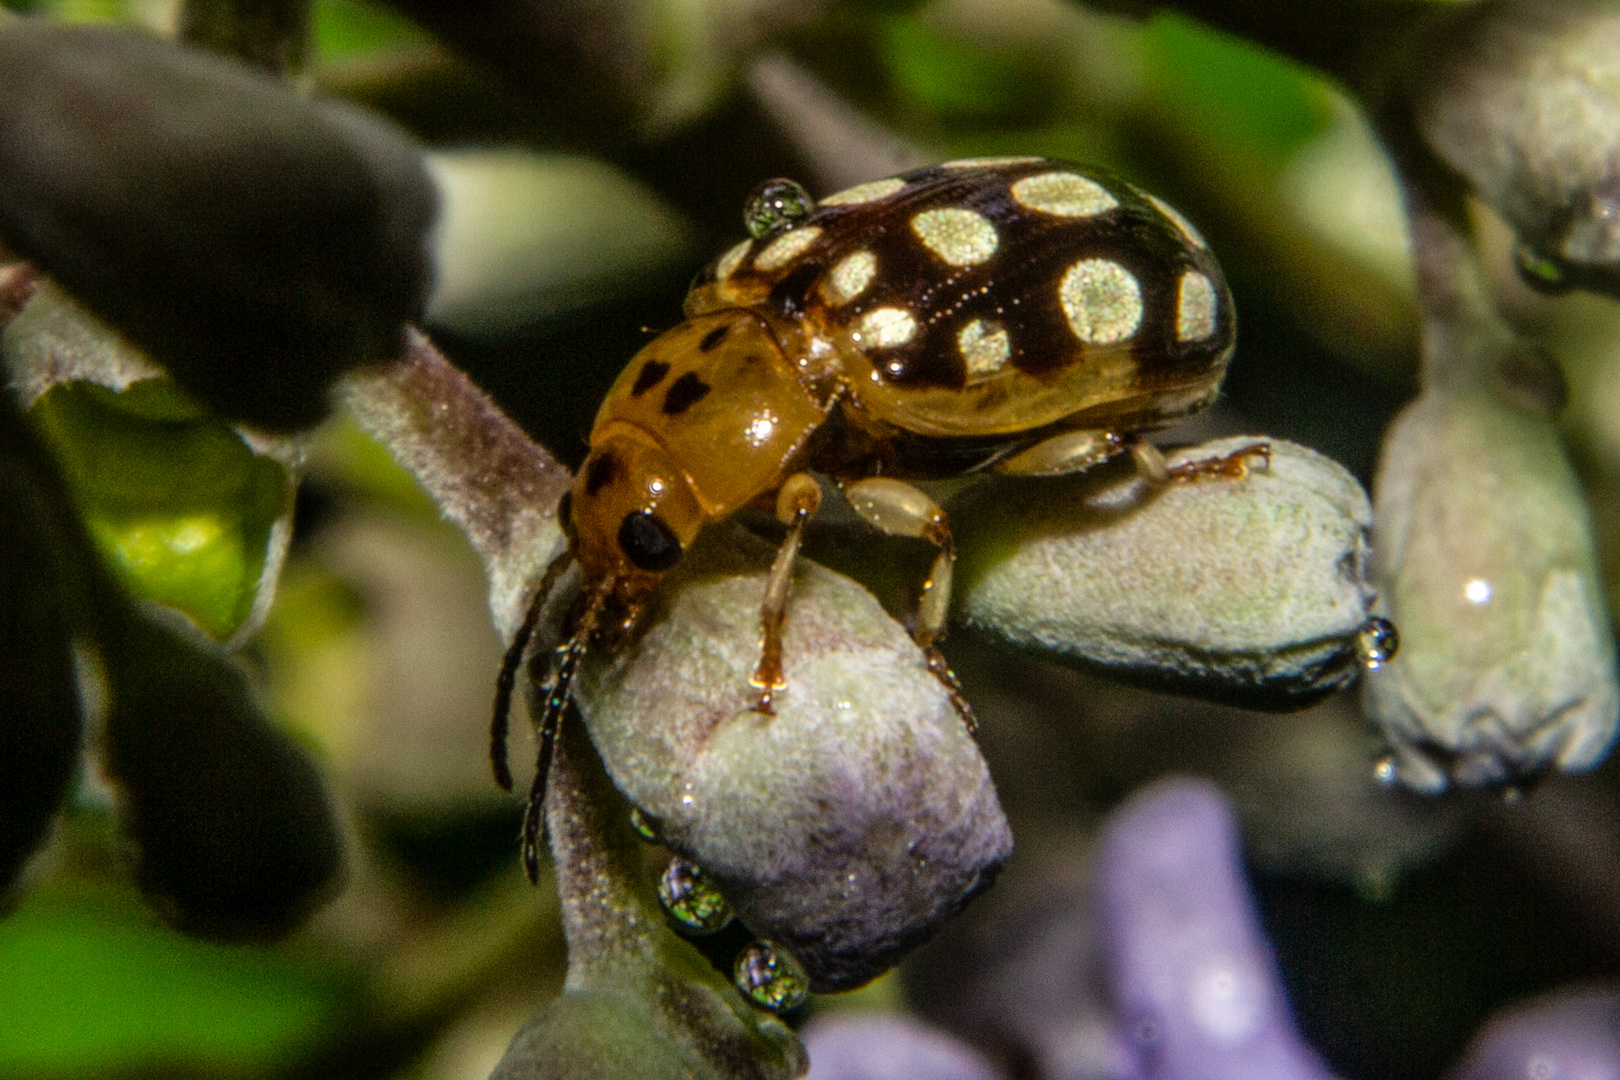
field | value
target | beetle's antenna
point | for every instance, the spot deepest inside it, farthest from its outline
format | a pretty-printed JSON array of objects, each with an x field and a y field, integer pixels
[
  {"x": 557, "y": 700},
  {"x": 507, "y": 679}
]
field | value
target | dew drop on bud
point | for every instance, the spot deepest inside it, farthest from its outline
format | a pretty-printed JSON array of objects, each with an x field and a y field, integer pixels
[
  {"x": 775, "y": 206},
  {"x": 645, "y": 826},
  {"x": 1385, "y": 772},
  {"x": 1377, "y": 642},
  {"x": 769, "y": 977},
  {"x": 692, "y": 899}
]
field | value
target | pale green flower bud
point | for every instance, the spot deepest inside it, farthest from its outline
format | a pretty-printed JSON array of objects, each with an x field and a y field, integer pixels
[{"x": 1484, "y": 554}]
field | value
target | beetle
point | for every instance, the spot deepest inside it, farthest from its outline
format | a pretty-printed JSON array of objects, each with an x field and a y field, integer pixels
[{"x": 1019, "y": 315}]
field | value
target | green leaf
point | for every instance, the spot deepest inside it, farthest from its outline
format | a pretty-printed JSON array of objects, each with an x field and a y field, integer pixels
[
  {"x": 348, "y": 28},
  {"x": 171, "y": 494},
  {"x": 959, "y": 80},
  {"x": 1232, "y": 89},
  {"x": 93, "y": 986}
]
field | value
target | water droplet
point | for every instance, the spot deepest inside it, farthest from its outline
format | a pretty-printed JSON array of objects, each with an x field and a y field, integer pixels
[
  {"x": 1385, "y": 772},
  {"x": 770, "y": 977},
  {"x": 646, "y": 825},
  {"x": 775, "y": 207},
  {"x": 692, "y": 898},
  {"x": 1377, "y": 642}
]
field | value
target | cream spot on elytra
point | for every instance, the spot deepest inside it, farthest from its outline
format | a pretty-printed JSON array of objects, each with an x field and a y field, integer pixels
[
  {"x": 980, "y": 162},
  {"x": 886, "y": 328},
  {"x": 959, "y": 237},
  {"x": 870, "y": 191},
  {"x": 1064, "y": 194},
  {"x": 1195, "y": 307},
  {"x": 850, "y": 277},
  {"x": 1103, "y": 301},
  {"x": 985, "y": 348},
  {"x": 787, "y": 247},
  {"x": 731, "y": 260}
]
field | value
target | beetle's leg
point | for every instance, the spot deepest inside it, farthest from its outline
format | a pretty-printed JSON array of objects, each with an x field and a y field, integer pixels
[
  {"x": 1076, "y": 451},
  {"x": 798, "y": 498},
  {"x": 551, "y": 713},
  {"x": 507, "y": 679},
  {"x": 1068, "y": 452},
  {"x": 901, "y": 510},
  {"x": 1233, "y": 466},
  {"x": 1150, "y": 462}
]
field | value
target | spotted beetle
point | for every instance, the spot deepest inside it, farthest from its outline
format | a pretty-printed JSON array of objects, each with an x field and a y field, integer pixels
[{"x": 1018, "y": 315}]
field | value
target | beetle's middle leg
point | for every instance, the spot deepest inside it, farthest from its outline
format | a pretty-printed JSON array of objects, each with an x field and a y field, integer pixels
[
  {"x": 798, "y": 498},
  {"x": 901, "y": 510}
]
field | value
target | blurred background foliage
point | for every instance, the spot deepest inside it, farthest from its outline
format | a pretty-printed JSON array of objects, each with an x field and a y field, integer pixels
[{"x": 1400, "y": 923}]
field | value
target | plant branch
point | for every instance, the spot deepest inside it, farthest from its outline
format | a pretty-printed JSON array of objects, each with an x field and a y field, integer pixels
[{"x": 486, "y": 475}]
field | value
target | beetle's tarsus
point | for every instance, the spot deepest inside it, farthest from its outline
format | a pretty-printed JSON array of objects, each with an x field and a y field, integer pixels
[{"x": 1233, "y": 466}]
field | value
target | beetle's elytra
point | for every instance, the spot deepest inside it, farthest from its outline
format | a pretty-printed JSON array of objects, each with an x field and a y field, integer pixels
[{"x": 1020, "y": 315}]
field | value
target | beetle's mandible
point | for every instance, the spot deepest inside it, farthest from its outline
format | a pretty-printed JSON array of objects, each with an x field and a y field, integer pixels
[{"x": 1018, "y": 315}]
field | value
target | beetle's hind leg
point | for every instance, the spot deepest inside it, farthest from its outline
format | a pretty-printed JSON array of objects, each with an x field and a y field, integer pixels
[
  {"x": 899, "y": 509},
  {"x": 1233, "y": 466},
  {"x": 1076, "y": 451},
  {"x": 798, "y": 499}
]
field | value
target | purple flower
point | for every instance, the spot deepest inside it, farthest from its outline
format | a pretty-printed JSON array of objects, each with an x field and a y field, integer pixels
[
  {"x": 1573, "y": 1035},
  {"x": 889, "y": 1048},
  {"x": 1194, "y": 978}
]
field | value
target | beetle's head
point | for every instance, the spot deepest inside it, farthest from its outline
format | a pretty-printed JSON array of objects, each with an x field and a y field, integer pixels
[{"x": 634, "y": 513}]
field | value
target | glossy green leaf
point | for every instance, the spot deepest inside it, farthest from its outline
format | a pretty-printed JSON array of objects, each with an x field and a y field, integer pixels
[
  {"x": 171, "y": 494},
  {"x": 94, "y": 986}
]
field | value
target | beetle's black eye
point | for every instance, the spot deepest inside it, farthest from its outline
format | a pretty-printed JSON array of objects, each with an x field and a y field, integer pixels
[{"x": 648, "y": 542}]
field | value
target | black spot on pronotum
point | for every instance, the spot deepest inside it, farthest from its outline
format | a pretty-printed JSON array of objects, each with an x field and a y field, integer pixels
[
  {"x": 651, "y": 374},
  {"x": 648, "y": 542},
  {"x": 601, "y": 471},
  {"x": 684, "y": 392},
  {"x": 714, "y": 337}
]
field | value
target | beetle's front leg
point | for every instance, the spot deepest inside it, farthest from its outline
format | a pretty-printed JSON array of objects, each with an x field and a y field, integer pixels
[
  {"x": 796, "y": 501},
  {"x": 901, "y": 510}
]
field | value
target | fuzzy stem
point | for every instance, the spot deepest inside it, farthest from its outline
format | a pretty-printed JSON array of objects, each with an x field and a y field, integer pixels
[
  {"x": 486, "y": 475},
  {"x": 1466, "y": 342},
  {"x": 610, "y": 918}
]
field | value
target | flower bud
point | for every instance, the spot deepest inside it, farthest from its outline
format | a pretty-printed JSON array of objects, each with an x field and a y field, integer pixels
[
  {"x": 848, "y": 825},
  {"x": 1519, "y": 97},
  {"x": 1485, "y": 558},
  {"x": 1249, "y": 590},
  {"x": 254, "y": 241}
]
